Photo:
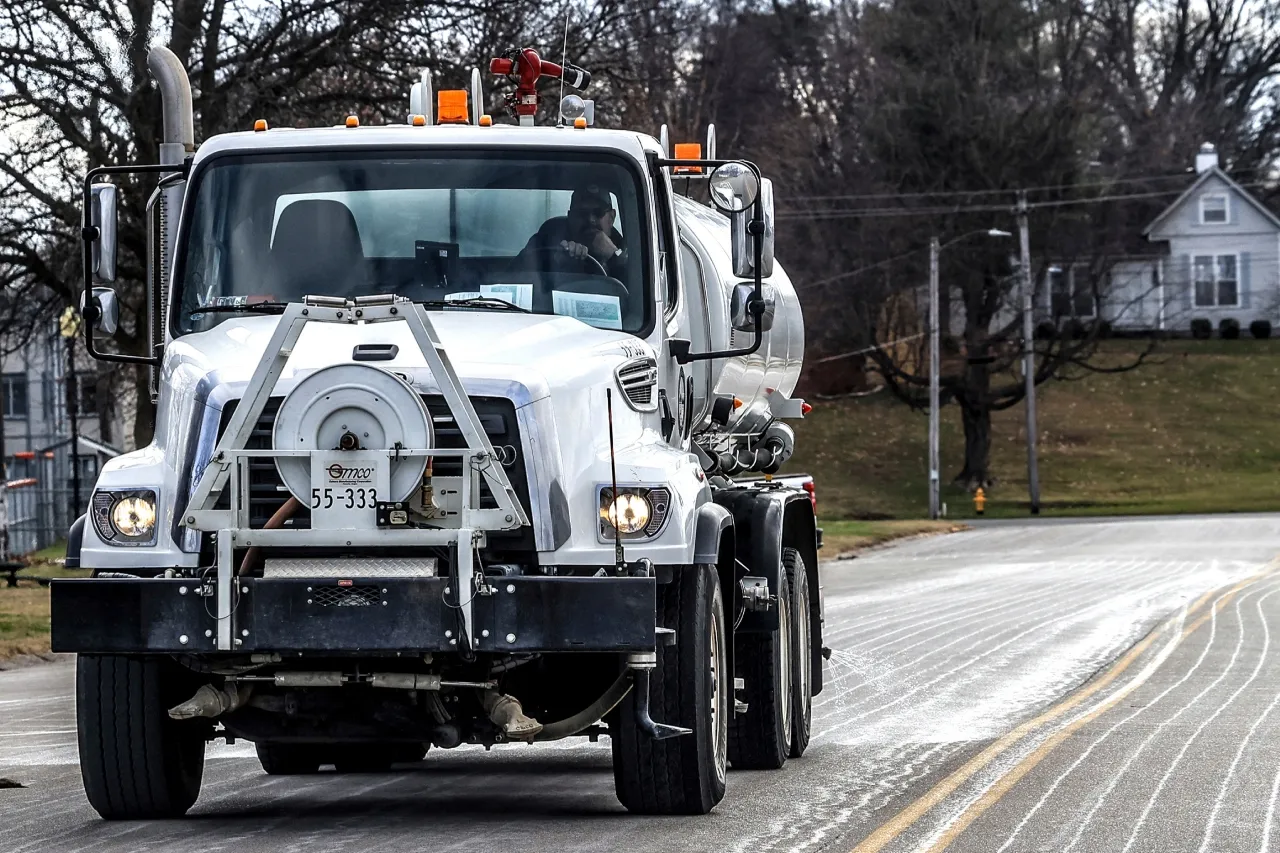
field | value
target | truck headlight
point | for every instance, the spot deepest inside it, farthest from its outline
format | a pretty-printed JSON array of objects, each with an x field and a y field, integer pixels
[
  {"x": 637, "y": 512},
  {"x": 629, "y": 513},
  {"x": 126, "y": 517}
]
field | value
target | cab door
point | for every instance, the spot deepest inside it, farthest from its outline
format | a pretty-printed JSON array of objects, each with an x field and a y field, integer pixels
[{"x": 697, "y": 320}]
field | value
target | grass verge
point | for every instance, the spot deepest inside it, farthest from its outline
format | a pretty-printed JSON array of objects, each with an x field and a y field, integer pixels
[
  {"x": 845, "y": 537},
  {"x": 24, "y": 620},
  {"x": 24, "y": 610},
  {"x": 1191, "y": 431}
]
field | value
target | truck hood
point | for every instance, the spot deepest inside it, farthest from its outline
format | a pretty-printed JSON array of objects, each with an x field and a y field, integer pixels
[{"x": 532, "y": 350}]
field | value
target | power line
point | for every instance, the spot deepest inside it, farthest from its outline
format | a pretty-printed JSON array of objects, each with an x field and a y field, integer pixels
[
  {"x": 1047, "y": 188},
  {"x": 866, "y": 350},
  {"x": 889, "y": 212}
]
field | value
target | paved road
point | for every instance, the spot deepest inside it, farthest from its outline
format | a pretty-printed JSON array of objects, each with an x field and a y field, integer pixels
[{"x": 1088, "y": 687}]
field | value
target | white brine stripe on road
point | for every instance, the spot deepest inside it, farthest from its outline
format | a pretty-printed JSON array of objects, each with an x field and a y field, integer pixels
[{"x": 940, "y": 646}]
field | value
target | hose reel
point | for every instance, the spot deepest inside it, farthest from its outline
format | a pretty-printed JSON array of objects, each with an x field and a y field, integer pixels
[{"x": 352, "y": 407}]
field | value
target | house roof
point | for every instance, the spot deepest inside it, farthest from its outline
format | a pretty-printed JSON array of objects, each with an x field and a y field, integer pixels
[{"x": 1214, "y": 172}]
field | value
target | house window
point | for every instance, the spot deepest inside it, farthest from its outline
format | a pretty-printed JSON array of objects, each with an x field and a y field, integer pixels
[
  {"x": 15, "y": 395},
  {"x": 1071, "y": 292},
  {"x": 88, "y": 387},
  {"x": 1213, "y": 209},
  {"x": 48, "y": 398},
  {"x": 1217, "y": 281}
]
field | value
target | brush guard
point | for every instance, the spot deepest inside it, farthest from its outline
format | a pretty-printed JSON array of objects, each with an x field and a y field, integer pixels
[{"x": 228, "y": 469}]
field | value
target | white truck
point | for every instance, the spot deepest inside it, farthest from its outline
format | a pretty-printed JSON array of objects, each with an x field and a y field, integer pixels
[{"x": 447, "y": 417}]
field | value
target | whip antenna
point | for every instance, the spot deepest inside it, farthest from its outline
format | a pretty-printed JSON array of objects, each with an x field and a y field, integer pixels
[
  {"x": 618, "y": 558},
  {"x": 564, "y": 58}
]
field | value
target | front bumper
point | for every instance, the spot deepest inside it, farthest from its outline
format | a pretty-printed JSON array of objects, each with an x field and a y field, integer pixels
[{"x": 364, "y": 615}]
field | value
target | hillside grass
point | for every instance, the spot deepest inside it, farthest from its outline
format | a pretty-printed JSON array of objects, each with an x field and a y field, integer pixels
[{"x": 1193, "y": 430}]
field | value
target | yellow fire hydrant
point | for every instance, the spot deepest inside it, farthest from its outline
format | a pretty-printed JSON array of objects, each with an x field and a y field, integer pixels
[{"x": 979, "y": 500}]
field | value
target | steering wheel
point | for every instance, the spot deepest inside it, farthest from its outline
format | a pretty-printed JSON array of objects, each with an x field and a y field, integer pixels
[{"x": 563, "y": 256}]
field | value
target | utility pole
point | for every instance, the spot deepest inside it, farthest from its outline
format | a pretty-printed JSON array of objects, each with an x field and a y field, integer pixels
[
  {"x": 934, "y": 380},
  {"x": 1029, "y": 353}
]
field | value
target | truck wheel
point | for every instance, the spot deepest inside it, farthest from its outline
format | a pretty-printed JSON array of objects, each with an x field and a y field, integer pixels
[
  {"x": 760, "y": 739},
  {"x": 136, "y": 762},
  {"x": 690, "y": 688},
  {"x": 801, "y": 652},
  {"x": 289, "y": 759}
]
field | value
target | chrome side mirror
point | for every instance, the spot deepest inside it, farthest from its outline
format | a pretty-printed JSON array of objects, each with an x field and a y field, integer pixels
[
  {"x": 741, "y": 318},
  {"x": 106, "y": 310},
  {"x": 742, "y": 251},
  {"x": 103, "y": 217},
  {"x": 733, "y": 187}
]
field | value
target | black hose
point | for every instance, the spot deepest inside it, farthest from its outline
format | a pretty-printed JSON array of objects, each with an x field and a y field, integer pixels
[{"x": 588, "y": 716}]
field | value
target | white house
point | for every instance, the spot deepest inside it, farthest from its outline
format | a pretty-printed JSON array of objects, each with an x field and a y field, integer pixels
[{"x": 1218, "y": 256}]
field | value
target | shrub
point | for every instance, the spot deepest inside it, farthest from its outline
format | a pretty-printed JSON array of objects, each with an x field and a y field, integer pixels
[
  {"x": 1201, "y": 329},
  {"x": 1046, "y": 331},
  {"x": 1075, "y": 329},
  {"x": 1229, "y": 328},
  {"x": 1260, "y": 329},
  {"x": 1104, "y": 329}
]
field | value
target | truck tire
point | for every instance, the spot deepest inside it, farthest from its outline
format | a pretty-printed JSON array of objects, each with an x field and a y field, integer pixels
[
  {"x": 760, "y": 739},
  {"x": 136, "y": 762},
  {"x": 290, "y": 759},
  {"x": 690, "y": 687},
  {"x": 801, "y": 652}
]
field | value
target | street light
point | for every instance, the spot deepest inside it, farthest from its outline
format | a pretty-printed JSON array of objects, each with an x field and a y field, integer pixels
[
  {"x": 935, "y": 249},
  {"x": 69, "y": 327}
]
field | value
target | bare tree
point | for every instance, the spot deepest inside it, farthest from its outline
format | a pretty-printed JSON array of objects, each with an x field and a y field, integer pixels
[{"x": 75, "y": 93}]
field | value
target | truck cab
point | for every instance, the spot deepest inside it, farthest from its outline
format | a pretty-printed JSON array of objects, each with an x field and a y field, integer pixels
[{"x": 448, "y": 415}]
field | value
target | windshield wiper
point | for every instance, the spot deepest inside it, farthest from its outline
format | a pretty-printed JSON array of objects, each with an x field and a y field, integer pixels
[
  {"x": 476, "y": 302},
  {"x": 243, "y": 308}
]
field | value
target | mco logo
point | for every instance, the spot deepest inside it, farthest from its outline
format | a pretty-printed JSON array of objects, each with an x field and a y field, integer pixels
[{"x": 338, "y": 472}]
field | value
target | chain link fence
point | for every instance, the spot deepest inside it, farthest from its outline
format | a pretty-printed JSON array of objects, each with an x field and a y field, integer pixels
[{"x": 39, "y": 514}]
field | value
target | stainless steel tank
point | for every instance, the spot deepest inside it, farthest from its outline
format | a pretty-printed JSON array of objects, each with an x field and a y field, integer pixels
[{"x": 706, "y": 263}]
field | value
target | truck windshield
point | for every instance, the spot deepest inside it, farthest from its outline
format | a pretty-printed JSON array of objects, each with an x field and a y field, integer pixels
[{"x": 548, "y": 233}]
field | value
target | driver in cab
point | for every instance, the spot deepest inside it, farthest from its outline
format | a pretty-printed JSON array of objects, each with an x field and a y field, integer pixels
[{"x": 586, "y": 233}]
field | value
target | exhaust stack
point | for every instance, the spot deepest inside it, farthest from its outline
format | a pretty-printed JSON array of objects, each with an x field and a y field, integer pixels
[
  {"x": 178, "y": 140},
  {"x": 175, "y": 99}
]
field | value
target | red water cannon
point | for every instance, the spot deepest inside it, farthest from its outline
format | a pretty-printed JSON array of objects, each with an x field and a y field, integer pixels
[{"x": 525, "y": 68}]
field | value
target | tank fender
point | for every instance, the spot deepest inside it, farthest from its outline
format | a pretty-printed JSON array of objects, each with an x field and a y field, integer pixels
[{"x": 765, "y": 522}]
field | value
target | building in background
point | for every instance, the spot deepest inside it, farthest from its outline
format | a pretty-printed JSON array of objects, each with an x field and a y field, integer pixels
[
  {"x": 1216, "y": 256},
  {"x": 38, "y": 438}
]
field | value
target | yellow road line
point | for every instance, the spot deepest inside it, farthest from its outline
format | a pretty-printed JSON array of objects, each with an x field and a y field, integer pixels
[
  {"x": 903, "y": 820},
  {"x": 1011, "y": 778}
]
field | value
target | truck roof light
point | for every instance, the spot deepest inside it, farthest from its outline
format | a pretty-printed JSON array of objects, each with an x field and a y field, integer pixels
[
  {"x": 419, "y": 121},
  {"x": 486, "y": 121},
  {"x": 688, "y": 151},
  {"x": 260, "y": 125},
  {"x": 451, "y": 106},
  {"x": 737, "y": 402},
  {"x": 580, "y": 123},
  {"x": 353, "y": 121},
  {"x": 805, "y": 408}
]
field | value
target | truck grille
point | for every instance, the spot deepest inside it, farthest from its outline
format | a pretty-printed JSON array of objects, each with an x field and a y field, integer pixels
[
  {"x": 637, "y": 379},
  {"x": 345, "y": 596},
  {"x": 267, "y": 492}
]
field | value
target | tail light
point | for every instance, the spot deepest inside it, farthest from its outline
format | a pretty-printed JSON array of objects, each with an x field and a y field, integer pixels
[{"x": 813, "y": 495}]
